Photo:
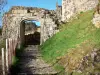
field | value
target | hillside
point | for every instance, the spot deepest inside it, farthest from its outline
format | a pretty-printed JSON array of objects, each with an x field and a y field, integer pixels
[{"x": 76, "y": 39}]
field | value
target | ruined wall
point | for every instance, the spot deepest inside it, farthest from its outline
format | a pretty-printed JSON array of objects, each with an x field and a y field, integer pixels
[
  {"x": 70, "y": 7},
  {"x": 30, "y": 28},
  {"x": 12, "y": 21},
  {"x": 58, "y": 11}
]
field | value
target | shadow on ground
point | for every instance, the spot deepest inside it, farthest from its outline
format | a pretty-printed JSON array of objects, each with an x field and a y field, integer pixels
[{"x": 32, "y": 39}]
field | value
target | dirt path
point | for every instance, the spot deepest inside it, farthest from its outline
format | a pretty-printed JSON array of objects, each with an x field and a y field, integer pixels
[{"x": 31, "y": 63}]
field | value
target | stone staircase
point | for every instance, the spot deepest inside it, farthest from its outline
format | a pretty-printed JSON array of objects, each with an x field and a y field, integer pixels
[{"x": 31, "y": 63}]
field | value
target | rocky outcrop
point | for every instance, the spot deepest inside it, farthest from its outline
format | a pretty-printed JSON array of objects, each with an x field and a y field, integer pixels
[
  {"x": 58, "y": 12},
  {"x": 70, "y": 7},
  {"x": 90, "y": 63},
  {"x": 96, "y": 20}
]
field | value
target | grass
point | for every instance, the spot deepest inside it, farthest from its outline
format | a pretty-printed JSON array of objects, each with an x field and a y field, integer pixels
[
  {"x": 15, "y": 64},
  {"x": 71, "y": 39},
  {"x": 2, "y": 44},
  {"x": 16, "y": 58}
]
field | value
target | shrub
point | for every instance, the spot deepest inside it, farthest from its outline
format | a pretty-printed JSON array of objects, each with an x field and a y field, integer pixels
[
  {"x": 0, "y": 31},
  {"x": 81, "y": 12}
]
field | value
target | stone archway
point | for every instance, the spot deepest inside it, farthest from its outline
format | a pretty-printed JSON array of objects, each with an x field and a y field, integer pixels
[
  {"x": 22, "y": 27},
  {"x": 29, "y": 33},
  {"x": 22, "y": 32},
  {"x": 13, "y": 18}
]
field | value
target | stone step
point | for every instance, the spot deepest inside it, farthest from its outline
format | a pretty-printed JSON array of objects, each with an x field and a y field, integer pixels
[
  {"x": 33, "y": 51},
  {"x": 31, "y": 63},
  {"x": 28, "y": 73},
  {"x": 38, "y": 71},
  {"x": 32, "y": 47},
  {"x": 29, "y": 55},
  {"x": 29, "y": 48},
  {"x": 35, "y": 74}
]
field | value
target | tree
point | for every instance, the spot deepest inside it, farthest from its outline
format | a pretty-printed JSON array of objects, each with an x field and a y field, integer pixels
[
  {"x": 2, "y": 4},
  {"x": 0, "y": 30}
]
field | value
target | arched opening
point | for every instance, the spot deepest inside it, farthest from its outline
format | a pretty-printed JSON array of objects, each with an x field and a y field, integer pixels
[{"x": 30, "y": 32}]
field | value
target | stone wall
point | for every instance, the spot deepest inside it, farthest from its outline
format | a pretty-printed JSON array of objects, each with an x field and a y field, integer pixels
[
  {"x": 30, "y": 28},
  {"x": 49, "y": 19},
  {"x": 58, "y": 12},
  {"x": 71, "y": 7},
  {"x": 12, "y": 21}
]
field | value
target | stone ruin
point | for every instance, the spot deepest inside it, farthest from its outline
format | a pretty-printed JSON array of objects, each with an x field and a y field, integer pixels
[
  {"x": 72, "y": 7},
  {"x": 13, "y": 22},
  {"x": 30, "y": 28}
]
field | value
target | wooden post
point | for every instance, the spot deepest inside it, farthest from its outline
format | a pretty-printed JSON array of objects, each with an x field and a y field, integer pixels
[
  {"x": 7, "y": 65},
  {"x": 3, "y": 62},
  {"x": 9, "y": 52}
]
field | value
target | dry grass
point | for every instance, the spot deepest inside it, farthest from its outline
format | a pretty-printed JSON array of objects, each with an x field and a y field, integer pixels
[
  {"x": 74, "y": 57},
  {"x": 74, "y": 41}
]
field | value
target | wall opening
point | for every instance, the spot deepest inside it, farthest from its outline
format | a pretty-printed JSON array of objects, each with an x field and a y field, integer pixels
[{"x": 30, "y": 32}]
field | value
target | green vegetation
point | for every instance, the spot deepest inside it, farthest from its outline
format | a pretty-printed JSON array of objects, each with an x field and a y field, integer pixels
[
  {"x": 74, "y": 37},
  {"x": 2, "y": 44},
  {"x": 81, "y": 12},
  {"x": 16, "y": 58},
  {"x": 15, "y": 64},
  {"x": 0, "y": 31}
]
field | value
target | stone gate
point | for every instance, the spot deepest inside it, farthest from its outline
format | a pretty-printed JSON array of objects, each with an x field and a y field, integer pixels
[{"x": 13, "y": 22}]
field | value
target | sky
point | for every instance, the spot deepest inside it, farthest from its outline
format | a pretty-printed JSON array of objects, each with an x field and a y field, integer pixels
[{"x": 47, "y": 4}]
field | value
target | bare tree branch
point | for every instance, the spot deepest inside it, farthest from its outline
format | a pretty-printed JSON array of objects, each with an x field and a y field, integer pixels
[{"x": 2, "y": 4}]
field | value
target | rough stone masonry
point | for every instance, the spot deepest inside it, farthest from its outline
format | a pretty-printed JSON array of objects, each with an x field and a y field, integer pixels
[
  {"x": 71, "y": 7},
  {"x": 13, "y": 22}
]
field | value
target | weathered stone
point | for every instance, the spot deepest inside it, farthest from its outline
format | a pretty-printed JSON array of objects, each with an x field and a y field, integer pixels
[
  {"x": 31, "y": 62},
  {"x": 30, "y": 28},
  {"x": 13, "y": 21},
  {"x": 91, "y": 64},
  {"x": 59, "y": 11},
  {"x": 70, "y": 7},
  {"x": 96, "y": 20}
]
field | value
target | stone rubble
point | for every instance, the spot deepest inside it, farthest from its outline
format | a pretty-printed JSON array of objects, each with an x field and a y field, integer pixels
[{"x": 90, "y": 63}]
